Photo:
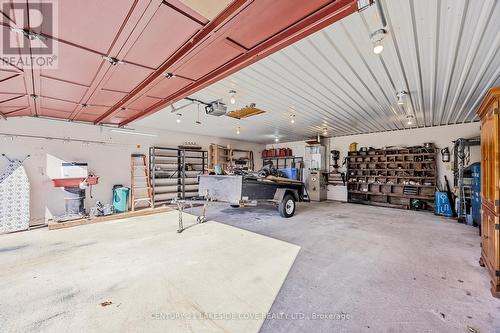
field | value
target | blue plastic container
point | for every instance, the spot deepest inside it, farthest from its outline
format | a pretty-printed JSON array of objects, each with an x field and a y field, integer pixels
[
  {"x": 291, "y": 173},
  {"x": 443, "y": 206},
  {"x": 120, "y": 199}
]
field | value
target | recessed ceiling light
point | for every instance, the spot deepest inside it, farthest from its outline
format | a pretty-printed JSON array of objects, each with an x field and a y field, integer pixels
[
  {"x": 238, "y": 131},
  {"x": 292, "y": 118},
  {"x": 276, "y": 139},
  {"x": 178, "y": 118}
]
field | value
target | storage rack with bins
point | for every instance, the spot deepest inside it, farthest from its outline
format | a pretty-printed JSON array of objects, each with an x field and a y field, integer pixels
[
  {"x": 174, "y": 172},
  {"x": 392, "y": 177}
]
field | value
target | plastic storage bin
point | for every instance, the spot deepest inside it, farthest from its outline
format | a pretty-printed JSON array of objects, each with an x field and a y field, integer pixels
[
  {"x": 291, "y": 173},
  {"x": 120, "y": 199}
]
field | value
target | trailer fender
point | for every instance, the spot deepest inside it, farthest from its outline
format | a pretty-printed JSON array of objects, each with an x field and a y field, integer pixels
[{"x": 281, "y": 192}]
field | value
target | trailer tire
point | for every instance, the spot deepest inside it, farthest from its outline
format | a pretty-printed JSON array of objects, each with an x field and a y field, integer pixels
[
  {"x": 235, "y": 206},
  {"x": 287, "y": 206}
]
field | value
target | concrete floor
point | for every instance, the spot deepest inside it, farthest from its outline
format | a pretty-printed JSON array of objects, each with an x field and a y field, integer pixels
[
  {"x": 359, "y": 269},
  {"x": 156, "y": 279},
  {"x": 385, "y": 270}
]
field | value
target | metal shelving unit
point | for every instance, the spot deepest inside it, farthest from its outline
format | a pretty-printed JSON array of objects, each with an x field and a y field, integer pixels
[
  {"x": 174, "y": 172},
  {"x": 281, "y": 162}
]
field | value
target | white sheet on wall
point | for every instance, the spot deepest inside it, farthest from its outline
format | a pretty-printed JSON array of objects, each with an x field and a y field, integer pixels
[{"x": 14, "y": 198}]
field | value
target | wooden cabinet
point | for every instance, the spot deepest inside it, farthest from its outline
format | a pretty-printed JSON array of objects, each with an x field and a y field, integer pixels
[{"x": 490, "y": 191}]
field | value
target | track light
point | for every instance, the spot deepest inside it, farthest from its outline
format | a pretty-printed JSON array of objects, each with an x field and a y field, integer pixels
[
  {"x": 238, "y": 131},
  {"x": 292, "y": 118},
  {"x": 325, "y": 131},
  {"x": 377, "y": 37},
  {"x": 401, "y": 96},
  {"x": 276, "y": 139},
  {"x": 409, "y": 119},
  {"x": 178, "y": 118},
  {"x": 232, "y": 93},
  {"x": 169, "y": 76}
]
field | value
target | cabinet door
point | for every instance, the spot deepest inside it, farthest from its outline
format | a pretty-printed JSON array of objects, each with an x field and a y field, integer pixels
[
  {"x": 490, "y": 159},
  {"x": 490, "y": 240}
]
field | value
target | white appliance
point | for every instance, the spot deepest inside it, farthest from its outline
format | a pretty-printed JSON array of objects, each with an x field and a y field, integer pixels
[{"x": 74, "y": 170}]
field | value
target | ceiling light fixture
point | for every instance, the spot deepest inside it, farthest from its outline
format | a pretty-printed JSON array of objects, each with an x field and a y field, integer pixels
[
  {"x": 238, "y": 131},
  {"x": 401, "y": 96},
  {"x": 377, "y": 37},
  {"x": 232, "y": 93},
  {"x": 179, "y": 118},
  {"x": 325, "y": 131},
  {"x": 113, "y": 61},
  {"x": 132, "y": 132},
  {"x": 276, "y": 139},
  {"x": 410, "y": 119},
  {"x": 169, "y": 76},
  {"x": 292, "y": 118}
]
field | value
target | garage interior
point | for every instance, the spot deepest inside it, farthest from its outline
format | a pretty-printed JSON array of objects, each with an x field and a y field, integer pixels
[{"x": 250, "y": 166}]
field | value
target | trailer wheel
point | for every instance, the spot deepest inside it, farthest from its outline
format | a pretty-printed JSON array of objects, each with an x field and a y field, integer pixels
[
  {"x": 235, "y": 206},
  {"x": 287, "y": 206}
]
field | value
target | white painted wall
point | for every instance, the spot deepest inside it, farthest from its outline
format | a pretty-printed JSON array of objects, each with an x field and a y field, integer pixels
[
  {"x": 441, "y": 136},
  {"x": 110, "y": 161}
]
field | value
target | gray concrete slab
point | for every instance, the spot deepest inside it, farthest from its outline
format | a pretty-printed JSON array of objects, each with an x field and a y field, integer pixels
[
  {"x": 374, "y": 269},
  {"x": 154, "y": 279}
]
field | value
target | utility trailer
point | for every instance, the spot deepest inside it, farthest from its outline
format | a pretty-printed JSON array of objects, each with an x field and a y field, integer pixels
[{"x": 240, "y": 190}]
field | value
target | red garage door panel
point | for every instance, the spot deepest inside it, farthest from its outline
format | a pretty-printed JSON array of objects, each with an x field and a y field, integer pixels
[
  {"x": 91, "y": 23},
  {"x": 166, "y": 87},
  {"x": 53, "y": 113},
  {"x": 75, "y": 64},
  {"x": 209, "y": 59},
  {"x": 166, "y": 32},
  {"x": 126, "y": 77},
  {"x": 87, "y": 117},
  {"x": 107, "y": 97},
  {"x": 13, "y": 100},
  {"x": 18, "y": 113},
  {"x": 14, "y": 85},
  {"x": 57, "y": 104},
  {"x": 143, "y": 102},
  {"x": 258, "y": 23},
  {"x": 62, "y": 90}
]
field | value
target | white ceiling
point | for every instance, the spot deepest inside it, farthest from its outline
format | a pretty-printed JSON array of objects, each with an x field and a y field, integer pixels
[{"x": 444, "y": 53}]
